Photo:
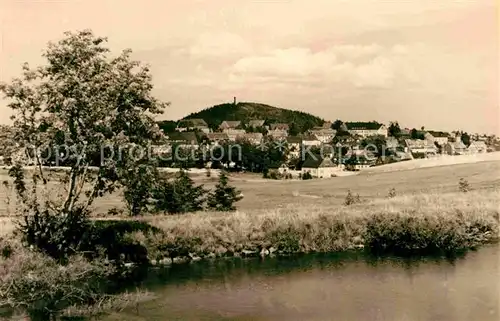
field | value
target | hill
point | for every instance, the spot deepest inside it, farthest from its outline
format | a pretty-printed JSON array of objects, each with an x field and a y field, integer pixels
[{"x": 246, "y": 111}]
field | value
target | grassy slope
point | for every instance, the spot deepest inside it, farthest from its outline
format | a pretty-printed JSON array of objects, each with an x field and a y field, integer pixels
[
  {"x": 444, "y": 221},
  {"x": 441, "y": 160},
  {"x": 270, "y": 194},
  {"x": 309, "y": 215}
]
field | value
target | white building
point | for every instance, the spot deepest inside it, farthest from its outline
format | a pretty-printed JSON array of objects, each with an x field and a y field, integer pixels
[
  {"x": 320, "y": 167},
  {"x": 366, "y": 129}
]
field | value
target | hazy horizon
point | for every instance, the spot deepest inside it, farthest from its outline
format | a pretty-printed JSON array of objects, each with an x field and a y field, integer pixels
[{"x": 422, "y": 63}]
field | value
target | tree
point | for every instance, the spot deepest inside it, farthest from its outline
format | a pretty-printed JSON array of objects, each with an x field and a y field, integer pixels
[
  {"x": 179, "y": 196},
  {"x": 224, "y": 196},
  {"x": 466, "y": 139},
  {"x": 94, "y": 102},
  {"x": 376, "y": 144},
  {"x": 294, "y": 130},
  {"x": 83, "y": 105},
  {"x": 167, "y": 126},
  {"x": 138, "y": 183},
  {"x": 415, "y": 134},
  {"x": 394, "y": 129},
  {"x": 337, "y": 124}
]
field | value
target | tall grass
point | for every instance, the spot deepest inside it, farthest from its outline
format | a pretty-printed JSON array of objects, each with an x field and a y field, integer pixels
[{"x": 420, "y": 223}]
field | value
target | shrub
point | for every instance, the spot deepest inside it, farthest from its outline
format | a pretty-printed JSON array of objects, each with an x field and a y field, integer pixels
[
  {"x": 115, "y": 211},
  {"x": 351, "y": 199},
  {"x": 180, "y": 195},
  {"x": 410, "y": 233},
  {"x": 306, "y": 175},
  {"x": 42, "y": 288},
  {"x": 224, "y": 196},
  {"x": 58, "y": 235},
  {"x": 5, "y": 249},
  {"x": 392, "y": 193},
  {"x": 274, "y": 175},
  {"x": 463, "y": 185},
  {"x": 138, "y": 183}
]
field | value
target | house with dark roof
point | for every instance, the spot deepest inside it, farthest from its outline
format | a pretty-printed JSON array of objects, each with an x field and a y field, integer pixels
[
  {"x": 230, "y": 124},
  {"x": 477, "y": 147},
  {"x": 320, "y": 167},
  {"x": 193, "y": 124},
  {"x": 438, "y": 137},
  {"x": 252, "y": 138},
  {"x": 280, "y": 126},
  {"x": 455, "y": 148},
  {"x": 310, "y": 140},
  {"x": 325, "y": 135},
  {"x": 421, "y": 147},
  {"x": 217, "y": 138},
  {"x": 234, "y": 134},
  {"x": 358, "y": 162},
  {"x": 183, "y": 139},
  {"x": 365, "y": 129}
]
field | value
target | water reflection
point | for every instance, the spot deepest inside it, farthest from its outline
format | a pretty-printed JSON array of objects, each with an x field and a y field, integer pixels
[{"x": 348, "y": 286}]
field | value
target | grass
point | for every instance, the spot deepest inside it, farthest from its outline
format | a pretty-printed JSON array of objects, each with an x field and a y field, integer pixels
[
  {"x": 428, "y": 213},
  {"x": 408, "y": 224},
  {"x": 261, "y": 194}
]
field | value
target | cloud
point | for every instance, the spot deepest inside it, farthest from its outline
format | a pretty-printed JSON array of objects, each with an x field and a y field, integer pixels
[
  {"x": 361, "y": 66},
  {"x": 219, "y": 45}
]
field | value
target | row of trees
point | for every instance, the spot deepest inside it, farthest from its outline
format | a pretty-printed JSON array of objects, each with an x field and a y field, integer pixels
[{"x": 147, "y": 193}]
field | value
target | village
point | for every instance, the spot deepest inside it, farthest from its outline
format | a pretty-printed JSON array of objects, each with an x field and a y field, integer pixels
[
  {"x": 328, "y": 150},
  {"x": 332, "y": 149}
]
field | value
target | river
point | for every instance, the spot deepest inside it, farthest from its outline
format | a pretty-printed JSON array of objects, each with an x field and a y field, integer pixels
[{"x": 328, "y": 287}]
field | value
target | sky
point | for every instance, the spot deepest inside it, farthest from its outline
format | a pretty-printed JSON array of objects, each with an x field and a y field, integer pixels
[{"x": 421, "y": 62}]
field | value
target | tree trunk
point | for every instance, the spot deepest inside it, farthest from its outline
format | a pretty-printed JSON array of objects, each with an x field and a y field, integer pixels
[{"x": 70, "y": 199}]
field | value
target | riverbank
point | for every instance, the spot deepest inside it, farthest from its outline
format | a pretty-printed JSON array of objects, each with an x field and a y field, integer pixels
[
  {"x": 419, "y": 224},
  {"x": 422, "y": 224}
]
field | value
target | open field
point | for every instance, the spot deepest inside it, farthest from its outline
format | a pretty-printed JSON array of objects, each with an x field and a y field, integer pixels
[
  {"x": 270, "y": 194},
  {"x": 441, "y": 160}
]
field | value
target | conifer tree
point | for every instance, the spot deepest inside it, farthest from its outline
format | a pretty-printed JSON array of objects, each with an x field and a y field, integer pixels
[
  {"x": 224, "y": 196},
  {"x": 180, "y": 195}
]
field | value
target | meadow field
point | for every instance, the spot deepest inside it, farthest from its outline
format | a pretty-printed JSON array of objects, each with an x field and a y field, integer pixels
[
  {"x": 426, "y": 191},
  {"x": 261, "y": 194}
]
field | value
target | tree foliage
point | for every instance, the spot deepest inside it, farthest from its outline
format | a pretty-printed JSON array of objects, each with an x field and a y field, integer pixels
[
  {"x": 465, "y": 137},
  {"x": 84, "y": 101},
  {"x": 224, "y": 196},
  {"x": 394, "y": 129},
  {"x": 179, "y": 195},
  {"x": 375, "y": 144},
  {"x": 138, "y": 183},
  {"x": 246, "y": 111},
  {"x": 415, "y": 134}
]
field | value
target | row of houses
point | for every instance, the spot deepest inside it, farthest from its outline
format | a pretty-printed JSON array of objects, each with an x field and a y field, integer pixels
[
  {"x": 279, "y": 130},
  {"x": 433, "y": 142},
  {"x": 431, "y": 147}
]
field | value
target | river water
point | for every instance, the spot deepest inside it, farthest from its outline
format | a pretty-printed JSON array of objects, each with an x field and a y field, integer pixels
[{"x": 328, "y": 287}]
